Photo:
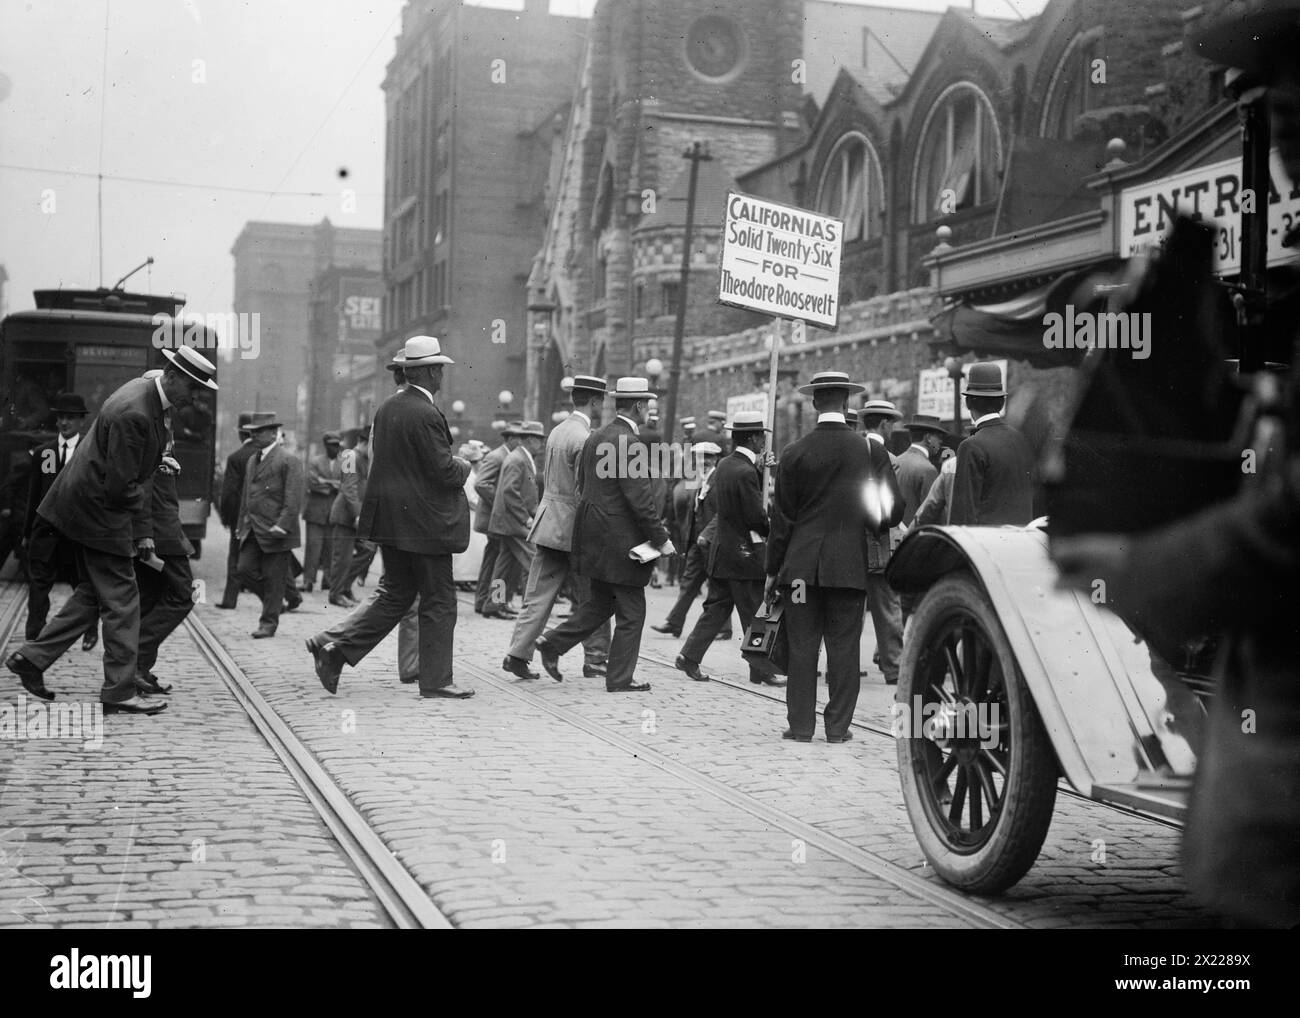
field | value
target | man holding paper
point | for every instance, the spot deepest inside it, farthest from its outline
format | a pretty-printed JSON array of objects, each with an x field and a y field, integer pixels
[{"x": 616, "y": 538}]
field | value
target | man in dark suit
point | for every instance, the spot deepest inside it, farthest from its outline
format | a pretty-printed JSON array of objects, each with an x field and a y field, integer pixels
[
  {"x": 268, "y": 526},
  {"x": 231, "y": 505},
  {"x": 513, "y": 507},
  {"x": 323, "y": 483},
  {"x": 485, "y": 487},
  {"x": 354, "y": 468},
  {"x": 735, "y": 555},
  {"x": 98, "y": 502},
  {"x": 50, "y": 558},
  {"x": 916, "y": 468},
  {"x": 995, "y": 466},
  {"x": 616, "y": 513},
  {"x": 1231, "y": 570},
  {"x": 415, "y": 509},
  {"x": 877, "y": 418},
  {"x": 697, "y": 517},
  {"x": 165, "y": 580},
  {"x": 832, "y": 491}
]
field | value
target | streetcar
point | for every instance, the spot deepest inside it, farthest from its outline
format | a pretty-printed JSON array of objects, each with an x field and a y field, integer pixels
[{"x": 90, "y": 342}]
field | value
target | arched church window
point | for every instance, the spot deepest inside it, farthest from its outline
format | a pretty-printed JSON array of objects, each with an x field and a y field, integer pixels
[{"x": 960, "y": 157}]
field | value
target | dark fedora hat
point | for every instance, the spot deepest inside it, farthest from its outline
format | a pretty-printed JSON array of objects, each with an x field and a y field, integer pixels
[
  {"x": 70, "y": 403},
  {"x": 263, "y": 419},
  {"x": 984, "y": 380},
  {"x": 332, "y": 438},
  {"x": 1256, "y": 36},
  {"x": 924, "y": 422},
  {"x": 244, "y": 419}
]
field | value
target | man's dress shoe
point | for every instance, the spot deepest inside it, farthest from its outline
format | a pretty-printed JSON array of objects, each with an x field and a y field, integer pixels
[
  {"x": 668, "y": 630},
  {"x": 450, "y": 692},
  {"x": 690, "y": 668},
  {"x": 550, "y": 660},
  {"x": 329, "y": 662},
  {"x": 148, "y": 685},
  {"x": 631, "y": 687},
  {"x": 32, "y": 678},
  {"x": 408, "y": 679},
  {"x": 518, "y": 666},
  {"x": 91, "y": 638},
  {"x": 789, "y": 734},
  {"x": 292, "y": 600},
  {"x": 227, "y": 607},
  {"x": 846, "y": 737},
  {"x": 499, "y": 613},
  {"x": 136, "y": 705},
  {"x": 263, "y": 632},
  {"x": 593, "y": 671},
  {"x": 767, "y": 680}
]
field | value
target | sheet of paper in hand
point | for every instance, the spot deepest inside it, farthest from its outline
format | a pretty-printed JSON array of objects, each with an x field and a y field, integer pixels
[{"x": 643, "y": 553}]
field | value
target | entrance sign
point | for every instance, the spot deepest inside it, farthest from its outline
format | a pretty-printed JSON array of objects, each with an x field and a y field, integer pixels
[
  {"x": 749, "y": 401},
  {"x": 1211, "y": 195},
  {"x": 781, "y": 260}
]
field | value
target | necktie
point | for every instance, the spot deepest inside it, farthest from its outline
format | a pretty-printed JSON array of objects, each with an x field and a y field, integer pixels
[{"x": 63, "y": 453}]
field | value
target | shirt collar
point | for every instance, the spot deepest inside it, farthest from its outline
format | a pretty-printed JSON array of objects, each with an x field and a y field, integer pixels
[
  {"x": 531, "y": 462},
  {"x": 579, "y": 413},
  {"x": 748, "y": 453},
  {"x": 70, "y": 443},
  {"x": 921, "y": 449},
  {"x": 831, "y": 417},
  {"x": 636, "y": 429},
  {"x": 157, "y": 381},
  {"x": 987, "y": 417},
  {"x": 873, "y": 436},
  {"x": 422, "y": 389},
  {"x": 265, "y": 452}
]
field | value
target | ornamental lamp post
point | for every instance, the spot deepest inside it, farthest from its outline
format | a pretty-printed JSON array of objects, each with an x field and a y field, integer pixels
[{"x": 954, "y": 366}]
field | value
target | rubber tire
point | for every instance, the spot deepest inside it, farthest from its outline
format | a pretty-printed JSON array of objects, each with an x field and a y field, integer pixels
[{"x": 1030, "y": 792}]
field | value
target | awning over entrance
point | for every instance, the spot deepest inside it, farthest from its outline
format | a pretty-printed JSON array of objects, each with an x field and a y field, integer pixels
[{"x": 1012, "y": 328}]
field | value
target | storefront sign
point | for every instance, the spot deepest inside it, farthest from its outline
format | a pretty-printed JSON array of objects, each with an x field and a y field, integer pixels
[
  {"x": 934, "y": 391},
  {"x": 1212, "y": 195},
  {"x": 361, "y": 310}
]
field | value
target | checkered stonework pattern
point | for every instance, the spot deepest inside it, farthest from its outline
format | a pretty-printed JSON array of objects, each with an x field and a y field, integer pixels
[{"x": 663, "y": 249}]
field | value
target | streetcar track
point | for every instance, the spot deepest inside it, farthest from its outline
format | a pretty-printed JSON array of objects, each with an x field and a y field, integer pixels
[
  {"x": 407, "y": 904},
  {"x": 953, "y": 902},
  {"x": 1062, "y": 786}
]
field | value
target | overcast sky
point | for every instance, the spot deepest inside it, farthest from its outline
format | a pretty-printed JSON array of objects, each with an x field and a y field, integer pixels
[{"x": 289, "y": 96}]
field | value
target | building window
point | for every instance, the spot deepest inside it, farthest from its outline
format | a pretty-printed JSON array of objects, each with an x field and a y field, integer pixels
[
  {"x": 851, "y": 188},
  {"x": 669, "y": 291},
  {"x": 960, "y": 155},
  {"x": 1071, "y": 92},
  {"x": 599, "y": 282},
  {"x": 639, "y": 299}
]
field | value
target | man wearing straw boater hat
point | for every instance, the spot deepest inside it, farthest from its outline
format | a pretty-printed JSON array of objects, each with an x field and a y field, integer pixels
[
  {"x": 95, "y": 502},
  {"x": 735, "y": 555},
  {"x": 552, "y": 535},
  {"x": 995, "y": 466},
  {"x": 832, "y": 491},
  {"x": 1231, "y": 570},
  {"x": 617, "y": 517},
  {"x": 415, "y": 509}
]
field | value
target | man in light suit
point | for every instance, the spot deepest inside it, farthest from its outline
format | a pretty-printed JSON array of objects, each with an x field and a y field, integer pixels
[
  {"x": 832, "y": 491},
  {"x": 230, "y": 507},
  {"x": 916, "y": 469},
  {"x": 616, "y": 513},
  {"x": 268, "y": 526},
  {"x": 552, "y": 535},
  {"x": 995, "y": 466},
  {"x": 513, "y": 507},
  {"x": 415, "y": 509},
  {"x": 98, "y": 502},
  {"x": 489, "y": 469}
]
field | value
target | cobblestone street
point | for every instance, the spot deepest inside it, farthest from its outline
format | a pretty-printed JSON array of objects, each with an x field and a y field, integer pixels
[{"x": 532, "y": 804}]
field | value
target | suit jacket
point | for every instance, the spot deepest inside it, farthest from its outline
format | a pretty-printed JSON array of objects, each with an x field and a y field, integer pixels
[
  {"x": 516, "y": 500},
  {"x": 273, "y": 490},
  {"x": 558, "y": 508},
  {"x": 995, "y": 478},
  {"x": 738, "y": 500},
  {"x": 616, "y": 511},
  {"x": 324, "y": 478},
  {"x": 678, "y": 514},
  {"x": 820, "y": 522},
  {"x": 98, "y": 499},
  {"x": 485, "y": 487},
  {"x": 415, "y": 497},
  {"x": 700, "y": 509},
  {"x": 165, "y": 516},
  {"x": 915, "y": 475},
  {"x": 41, "y": 478},
  {"x": 354, "y": 469},
  {"x": 880, "y": 546},
  {"x": 232, "y": 485},
  {"x": 938, "y": 501}
]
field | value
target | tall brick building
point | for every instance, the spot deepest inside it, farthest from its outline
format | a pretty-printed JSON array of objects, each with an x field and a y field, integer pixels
[
  {"x": 983, "y": 126},
  {"x": 275, "y": 265},
  {"x": 474, "y": 97}
]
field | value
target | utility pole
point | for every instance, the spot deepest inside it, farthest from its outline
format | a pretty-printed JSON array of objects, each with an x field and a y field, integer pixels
[{"x": 697, "y": 153}]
